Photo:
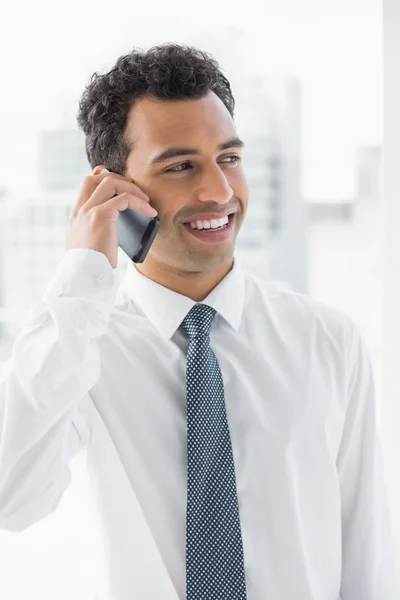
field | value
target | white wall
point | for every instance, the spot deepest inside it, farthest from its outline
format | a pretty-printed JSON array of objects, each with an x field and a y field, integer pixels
[{"x": 391, "y": 265}]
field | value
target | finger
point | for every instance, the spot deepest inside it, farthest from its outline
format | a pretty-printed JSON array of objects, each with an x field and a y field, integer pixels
[
  {"x": 111, "y": 185},
  {"x": 88, "y": 186},
  {"x": 94, "y": 191},
  {"x": 136, "y": 190},
  {"x": 126, "y": 200}
]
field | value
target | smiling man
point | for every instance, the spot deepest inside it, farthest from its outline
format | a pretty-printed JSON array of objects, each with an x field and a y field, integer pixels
[
  {"x": 229, "y": 423},
  {"x": 187, "y": 157}
]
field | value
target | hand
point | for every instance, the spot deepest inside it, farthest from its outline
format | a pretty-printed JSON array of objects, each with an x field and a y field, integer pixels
[{"x": 93, "y": 220}]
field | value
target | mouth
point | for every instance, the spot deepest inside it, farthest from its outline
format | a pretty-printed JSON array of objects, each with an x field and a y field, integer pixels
[{"x": 213, "y": 236}]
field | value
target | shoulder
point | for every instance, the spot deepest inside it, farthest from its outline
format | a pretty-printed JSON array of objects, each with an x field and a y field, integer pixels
[{"x": 286, "y": 307}]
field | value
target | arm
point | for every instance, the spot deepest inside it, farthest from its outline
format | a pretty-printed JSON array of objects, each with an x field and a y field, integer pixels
[
  {"x": 367, "y": 568},
  {"x": 53, "y": 364}
]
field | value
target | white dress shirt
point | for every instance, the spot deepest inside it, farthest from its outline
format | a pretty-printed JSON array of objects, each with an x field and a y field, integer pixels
[{"x": 100, "y": 367}]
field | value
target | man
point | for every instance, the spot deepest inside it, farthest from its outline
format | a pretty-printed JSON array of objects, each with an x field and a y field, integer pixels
[{"x": 229, "y": 424}]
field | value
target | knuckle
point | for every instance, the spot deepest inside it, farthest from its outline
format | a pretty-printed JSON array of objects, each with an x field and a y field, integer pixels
[
  {"x": 94, "y": 214},
  {"x": 73, "y": 215},
  {"x": 100, "y": 182},
  {"x": 82, "y": 210}
]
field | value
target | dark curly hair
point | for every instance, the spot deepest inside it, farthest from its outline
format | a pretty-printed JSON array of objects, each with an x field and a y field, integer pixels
[{"x": 167, "y": 72}]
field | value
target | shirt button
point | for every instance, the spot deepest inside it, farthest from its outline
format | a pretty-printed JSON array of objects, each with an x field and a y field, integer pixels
[{"x": 101, "y": 279}]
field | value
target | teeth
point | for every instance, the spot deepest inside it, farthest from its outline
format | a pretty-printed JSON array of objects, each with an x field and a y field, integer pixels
[{"x": 212, "y": 224}]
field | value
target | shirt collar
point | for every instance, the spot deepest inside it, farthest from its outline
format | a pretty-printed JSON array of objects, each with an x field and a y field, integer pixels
[{"x": 166, "y": 309}]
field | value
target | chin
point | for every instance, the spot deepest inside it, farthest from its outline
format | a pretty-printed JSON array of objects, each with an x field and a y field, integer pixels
[{"x": 210, "y": 261}]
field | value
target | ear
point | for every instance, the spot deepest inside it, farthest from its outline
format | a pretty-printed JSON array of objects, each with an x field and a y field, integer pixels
[{"x": 98, "y": 169}]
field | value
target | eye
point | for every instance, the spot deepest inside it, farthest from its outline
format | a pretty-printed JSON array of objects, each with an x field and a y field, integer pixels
[
  {"x": 237, "y": 158},
  {"x": 177, "y": 168}
]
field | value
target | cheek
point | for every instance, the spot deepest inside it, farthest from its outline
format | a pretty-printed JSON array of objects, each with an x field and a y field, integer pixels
[
  {"x": 168, "y": 198},
  {"x": 238, "y": 183}
]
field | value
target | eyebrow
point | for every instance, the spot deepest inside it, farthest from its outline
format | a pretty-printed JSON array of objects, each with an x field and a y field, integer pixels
[{"x": 174, "y": 152}]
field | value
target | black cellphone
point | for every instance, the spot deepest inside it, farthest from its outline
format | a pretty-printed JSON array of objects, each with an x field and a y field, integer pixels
[{"x": 136, "y": 232}]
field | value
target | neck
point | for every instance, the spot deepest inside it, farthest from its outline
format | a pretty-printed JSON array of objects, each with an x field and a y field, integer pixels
[{"x": 194, "y": 285}]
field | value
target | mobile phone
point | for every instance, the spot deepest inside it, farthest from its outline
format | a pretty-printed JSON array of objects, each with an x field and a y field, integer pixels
[{"x": 135, "y": 231}]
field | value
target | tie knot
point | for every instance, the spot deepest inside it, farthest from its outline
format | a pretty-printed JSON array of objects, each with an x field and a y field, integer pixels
[{"x": 198, "y": 320}]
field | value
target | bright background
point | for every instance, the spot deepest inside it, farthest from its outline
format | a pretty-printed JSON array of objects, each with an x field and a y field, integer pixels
[{"x": 307, "y": 77}]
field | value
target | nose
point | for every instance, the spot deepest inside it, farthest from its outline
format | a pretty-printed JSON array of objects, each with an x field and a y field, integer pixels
[{"x": 214, "y": 186}]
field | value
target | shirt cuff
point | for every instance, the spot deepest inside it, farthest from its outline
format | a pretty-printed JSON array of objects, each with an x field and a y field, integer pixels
[{"x": 82, "y": 291}]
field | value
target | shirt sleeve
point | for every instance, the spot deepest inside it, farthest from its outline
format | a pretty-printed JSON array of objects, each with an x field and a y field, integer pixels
[
  {"x": 367, "y": 548},
  {"x": 54, "y": 363}
]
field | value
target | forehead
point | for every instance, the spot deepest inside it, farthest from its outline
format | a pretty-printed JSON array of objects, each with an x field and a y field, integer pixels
[{"x": 156, "y": 124}]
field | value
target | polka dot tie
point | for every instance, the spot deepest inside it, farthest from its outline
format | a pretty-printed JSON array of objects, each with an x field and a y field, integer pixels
[{"x": 214, "y": 550}]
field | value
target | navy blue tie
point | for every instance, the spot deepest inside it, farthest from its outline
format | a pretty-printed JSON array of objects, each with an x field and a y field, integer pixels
[{"x": 214, "y": 549}]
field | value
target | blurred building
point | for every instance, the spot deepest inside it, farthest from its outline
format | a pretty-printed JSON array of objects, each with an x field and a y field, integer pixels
[
  {"x": 61, "y": 158},
  {"x": 369, "y": 173},
  {"x": 368, "y": 188}
]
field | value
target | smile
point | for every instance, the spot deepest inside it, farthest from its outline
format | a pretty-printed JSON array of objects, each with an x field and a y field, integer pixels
[{"x": 213, "y": 236}]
